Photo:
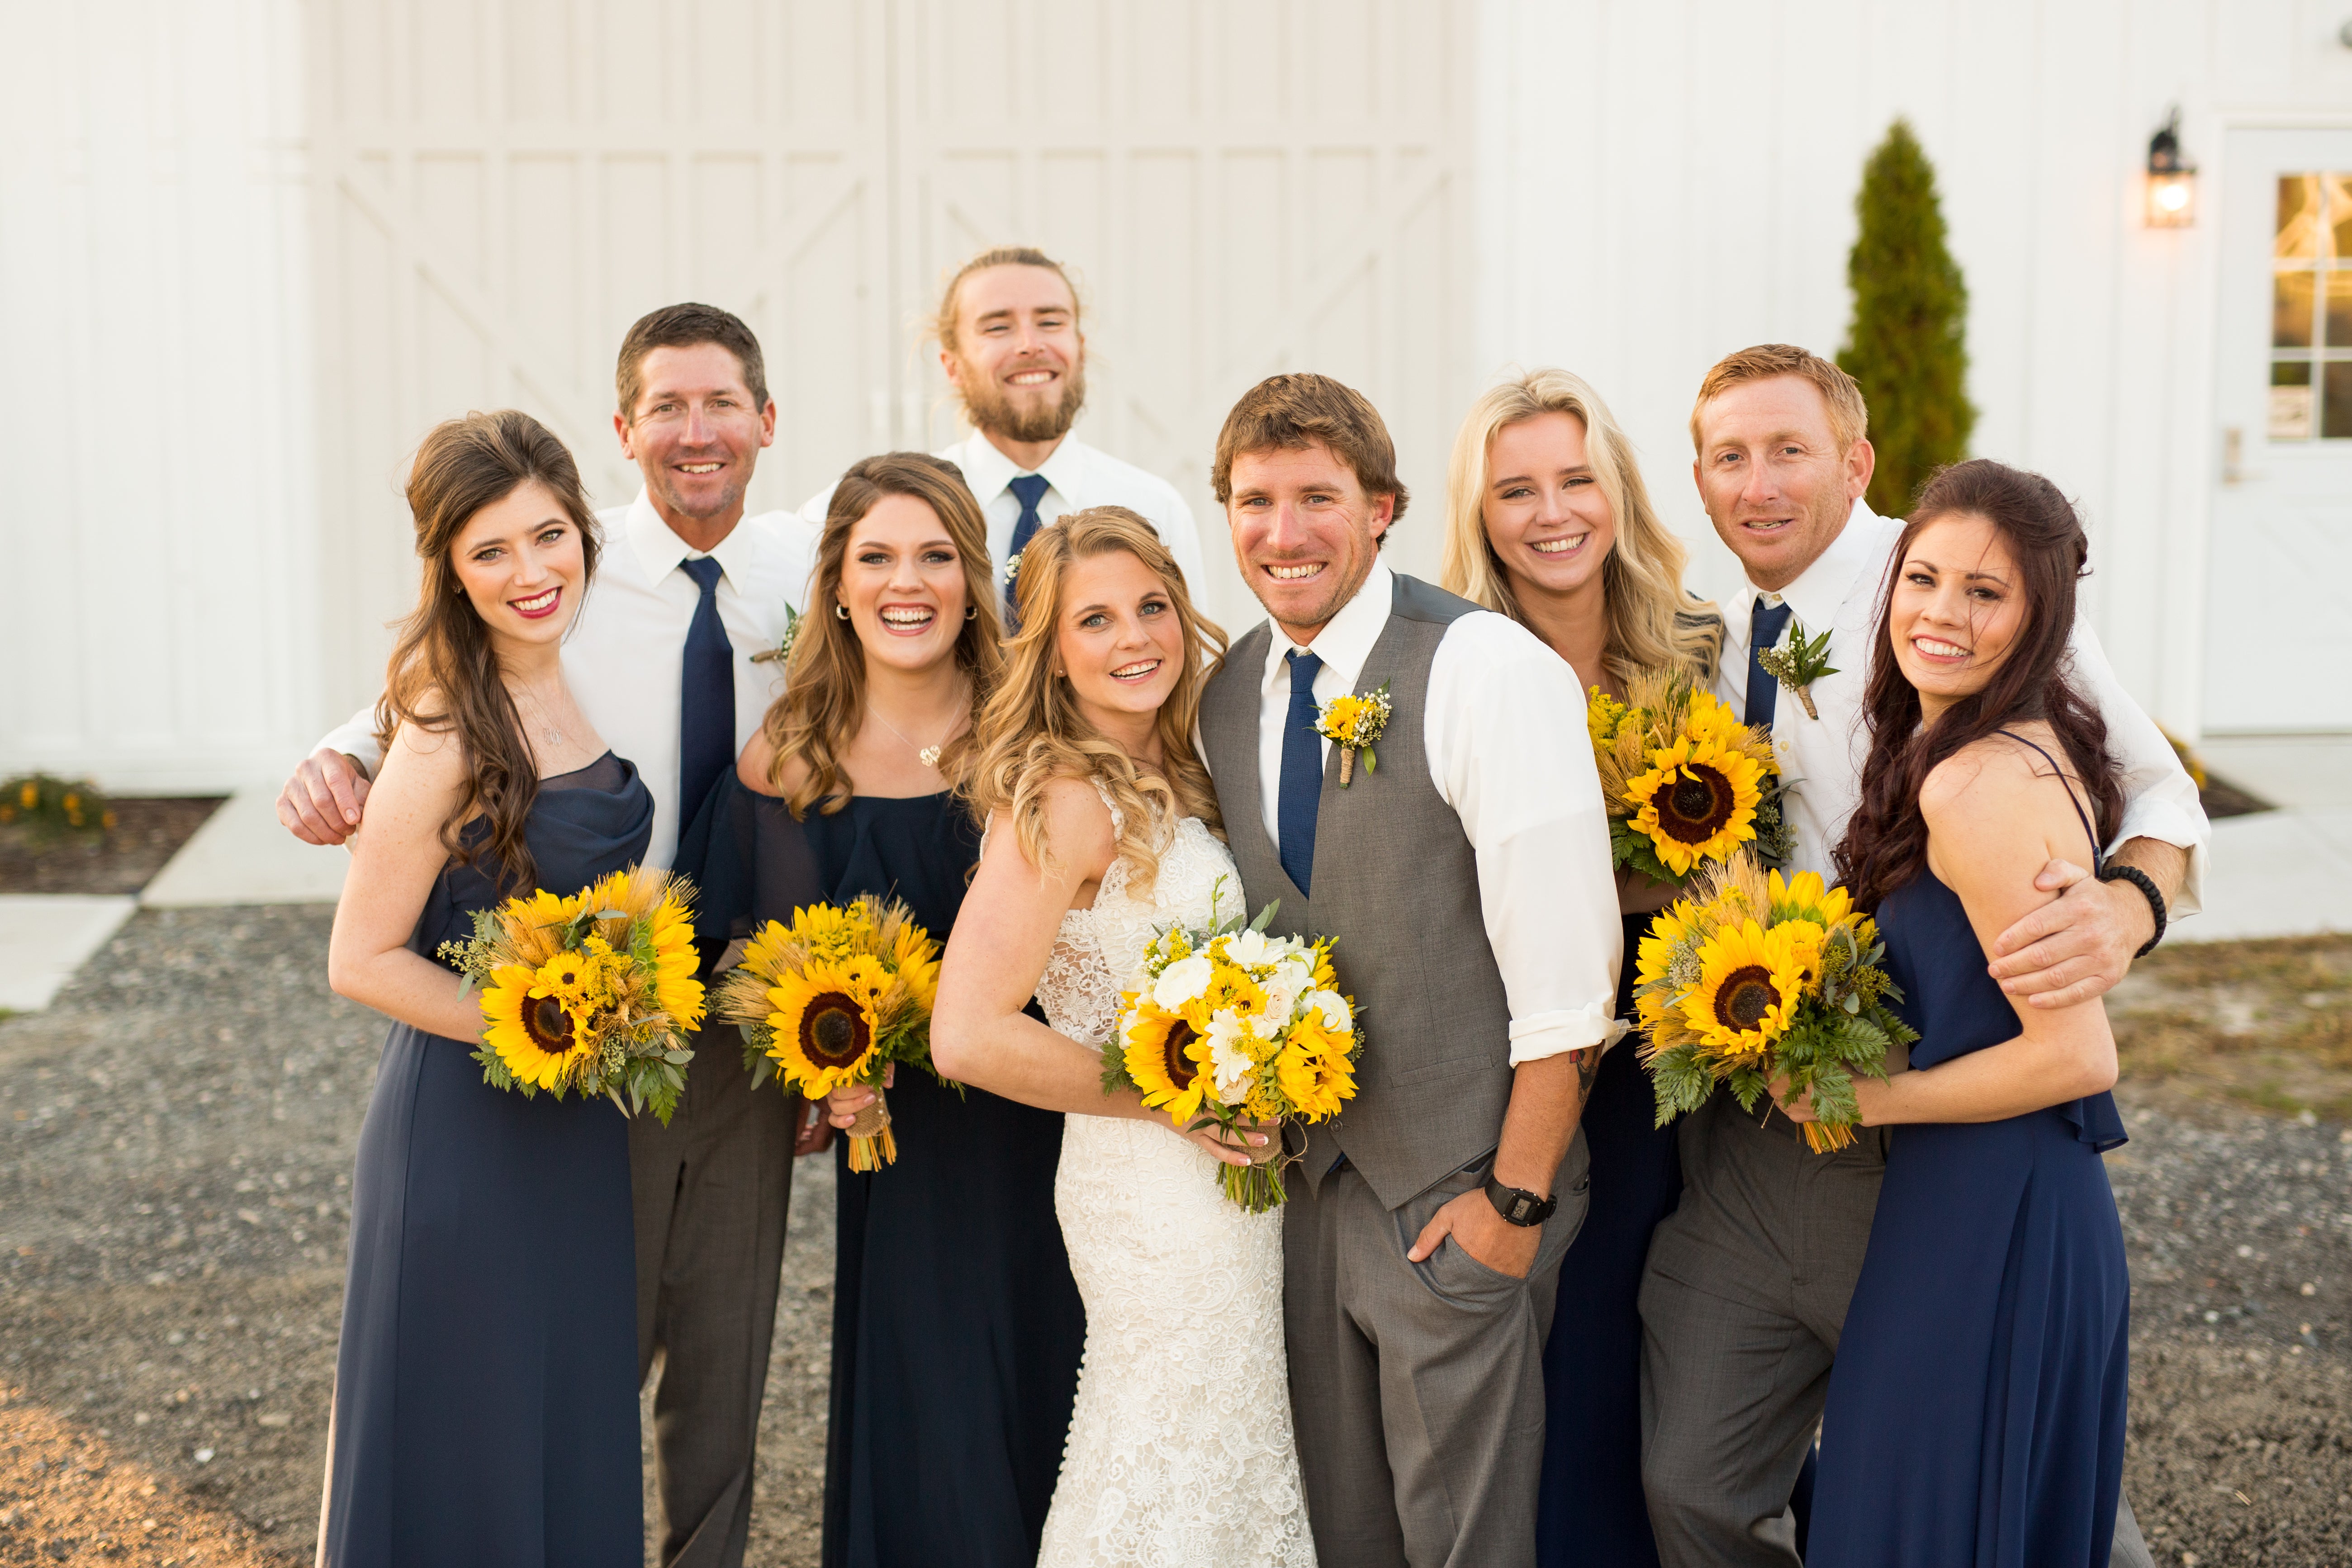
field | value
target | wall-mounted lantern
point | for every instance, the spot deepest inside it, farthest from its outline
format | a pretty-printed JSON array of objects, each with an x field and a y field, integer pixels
[{"x": 2171, "y": 179}]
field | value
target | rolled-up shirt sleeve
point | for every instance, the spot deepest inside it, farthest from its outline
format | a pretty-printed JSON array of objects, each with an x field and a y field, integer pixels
[
  {"x": 1507, "y": 751},
  {"x": 2161, "y": 799},
  {"x": 355, "y": 738}
]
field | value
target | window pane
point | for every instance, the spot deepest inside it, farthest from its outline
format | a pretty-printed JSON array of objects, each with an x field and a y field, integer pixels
[
  {"x": 2339, "y": 308},
  {"x": 2336, "y": 402},
  {"x": 2290, "y": 311},
  {"x": 2290, "y": 400},
  {"x": 2298, "y": 217},
  {"x": 2340, "y": 214}
]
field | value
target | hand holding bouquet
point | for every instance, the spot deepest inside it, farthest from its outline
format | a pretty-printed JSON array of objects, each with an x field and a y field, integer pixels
[
  {"x": 1753, "y": 979},
  {"x": 595, "y": 992},
  {"x": 1686, "y": 781},
  {"x": 833, "y": 999},
  {"x": 1231, "y": 1025}
]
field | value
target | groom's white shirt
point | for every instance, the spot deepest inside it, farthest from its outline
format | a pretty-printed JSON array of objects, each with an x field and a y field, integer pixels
[
  {"x": 1822, "y": 760},
  {"x": 626, "y": 649},
  {"x": 1507, "y": 749}
]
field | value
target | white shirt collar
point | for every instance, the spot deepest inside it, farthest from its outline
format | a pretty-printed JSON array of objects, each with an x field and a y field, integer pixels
[
  {"x": 988, "y": 470},
  {"x": 658, "y": 549},
  {"x": 1346, "y": 641},
  {"x": 1823, "y": 587}
]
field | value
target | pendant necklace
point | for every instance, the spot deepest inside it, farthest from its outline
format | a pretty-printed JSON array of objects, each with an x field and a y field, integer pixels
[{"x": 927, "y": 755}]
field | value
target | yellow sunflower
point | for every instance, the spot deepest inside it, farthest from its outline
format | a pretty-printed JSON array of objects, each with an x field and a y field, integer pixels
[
  {"x": 1699, "y": 801},
  {"x": 677, "y": 992},
  {"x": 567, "y": 977},
  {"x": 1313, "y": 1071},
  {"x": 1166, "y": 1057},
  {"x": 915, "y": 957},
  {"x": 1803, "y": 897},
  {"x": 1655, "y": 957},
  {"x": 1749, "y": 982},
  {"x": 530, "y": 1030},
  {"x": 824, "y": 1024},
  {"x": 832, "y": 933}
]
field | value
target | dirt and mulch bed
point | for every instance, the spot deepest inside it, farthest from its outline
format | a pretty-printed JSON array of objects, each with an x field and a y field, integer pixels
[
  {"x": 147, "y": 831},
  {"x": 175, "y": 1147}
]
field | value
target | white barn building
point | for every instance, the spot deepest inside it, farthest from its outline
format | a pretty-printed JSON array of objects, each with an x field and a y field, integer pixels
[{"x": 251, "y": 250}]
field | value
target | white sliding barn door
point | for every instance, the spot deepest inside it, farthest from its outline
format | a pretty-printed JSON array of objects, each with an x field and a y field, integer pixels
[
  {"x": 504, "y": 185},
  {"x": 1242, "y": 186}
]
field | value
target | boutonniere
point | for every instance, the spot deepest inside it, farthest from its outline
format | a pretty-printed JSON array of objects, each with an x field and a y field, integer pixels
[
  {"x": 1355, "y": 721},
  {"x": 783, "y": 648},
  {"x": 1012, "y": 569},
  {"x": 1798, "y": 663}
]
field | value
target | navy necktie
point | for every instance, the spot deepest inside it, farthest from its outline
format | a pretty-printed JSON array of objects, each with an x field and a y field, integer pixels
[
  {"x": 1763, "y": 688},
  {"x": 706, "y": 696},
  {"x": 1028, "y": 489},
  {"x": 1302, "y": 772}
]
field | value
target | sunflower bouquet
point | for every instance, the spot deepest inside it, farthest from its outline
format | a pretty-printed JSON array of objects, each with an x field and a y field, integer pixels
[
  {"x": 1230, "y": 1026},
  {"x": 833, "y": 999},
  {"x": 1686, "y": 783},
  {"x": 595, "y": 992},
  {"x": 1755, "y": 978}
]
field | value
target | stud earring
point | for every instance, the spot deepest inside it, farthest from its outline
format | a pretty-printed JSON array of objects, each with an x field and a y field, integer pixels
[{"x": 841, "y": 609}]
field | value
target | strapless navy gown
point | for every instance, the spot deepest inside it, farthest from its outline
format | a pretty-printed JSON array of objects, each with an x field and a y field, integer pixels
[
  {"x": 486, "y": 1386},
  {"x": 1591, "y": 1511},
  {"x": 1976, "y": 1411},
  {"x": 957, "y": 1328}
]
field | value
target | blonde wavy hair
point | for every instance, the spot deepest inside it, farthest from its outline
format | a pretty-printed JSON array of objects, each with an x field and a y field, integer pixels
[
  {"x": 823, "y": 700},
  {"x": 1031, "y": 733},
  {"x": 1653, "y": 621}
]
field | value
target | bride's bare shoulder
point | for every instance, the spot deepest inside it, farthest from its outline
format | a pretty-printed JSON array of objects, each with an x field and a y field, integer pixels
[{"x": 1071, "y": 823}]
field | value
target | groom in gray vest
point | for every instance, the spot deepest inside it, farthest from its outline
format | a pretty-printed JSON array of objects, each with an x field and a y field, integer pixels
[{"x": 1463, "y": 869}]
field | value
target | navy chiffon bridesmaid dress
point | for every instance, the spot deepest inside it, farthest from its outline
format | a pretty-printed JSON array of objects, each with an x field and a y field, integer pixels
[
  {"x": 485, "y": 1384},
  {"x": 1590, "y": 1511},
  {"x": 1976, "y": 1411},
  {"x": 957, "y": 1330}
]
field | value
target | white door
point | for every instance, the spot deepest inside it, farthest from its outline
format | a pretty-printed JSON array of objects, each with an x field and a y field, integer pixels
[
  {"x": 2278, "y": 629},
  {"x": 502, "y": 186}
]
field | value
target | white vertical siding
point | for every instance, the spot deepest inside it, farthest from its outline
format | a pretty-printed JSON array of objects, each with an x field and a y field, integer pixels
[
  {"x": 1665, "y": 181},
  {"x": 158, "y": 605}
]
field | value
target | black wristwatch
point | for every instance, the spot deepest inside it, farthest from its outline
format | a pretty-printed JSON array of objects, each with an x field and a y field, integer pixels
[
  {"x": 2146, "y": 885},
  {"x": 1517, "y": 1205}
]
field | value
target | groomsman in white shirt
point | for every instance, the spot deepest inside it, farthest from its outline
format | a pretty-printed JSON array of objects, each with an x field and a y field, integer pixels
[
  {"x": 688, "y": 590},
  {"x": 1013, "y": 344},
  {"x": 1747, "y": 1283}
]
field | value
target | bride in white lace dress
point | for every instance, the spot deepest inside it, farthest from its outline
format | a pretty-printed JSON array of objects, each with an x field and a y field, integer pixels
[{"x": 1180, "y": 1450}]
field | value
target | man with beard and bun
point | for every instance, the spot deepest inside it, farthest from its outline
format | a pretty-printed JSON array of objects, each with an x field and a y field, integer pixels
[
  {"x": 660, "y": 658},
  {"x": 1744, "y": 1290},
  {"x": 1013, "y": 347}
]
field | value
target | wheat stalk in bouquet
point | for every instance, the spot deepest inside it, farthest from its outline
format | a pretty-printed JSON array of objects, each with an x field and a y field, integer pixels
[
  {"x": 833, "y": 999},
  {"x": 595, "y": 992},
  {"x": 1228, "y": 1025},
  {"x": 1754, "y": 978},
  {"x": 1686, "y": 783}
]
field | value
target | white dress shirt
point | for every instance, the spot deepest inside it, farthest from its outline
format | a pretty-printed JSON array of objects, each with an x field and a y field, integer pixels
[
  {"x": 1506, "y": 748},
  {"x": 1821, "y": 759},
  {"x": 1076, "y": 477},
  {"x": 625, "y": 652}
]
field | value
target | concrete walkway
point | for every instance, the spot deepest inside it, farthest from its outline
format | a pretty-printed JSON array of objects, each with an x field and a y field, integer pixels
[
  {"x": 45, "y": 937},
  {"x": 242, "y": 856},
  {"x": 2286, "y": 872}
]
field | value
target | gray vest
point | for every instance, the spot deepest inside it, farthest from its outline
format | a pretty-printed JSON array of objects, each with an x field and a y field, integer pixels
[{"x": 1396, "y": 885}]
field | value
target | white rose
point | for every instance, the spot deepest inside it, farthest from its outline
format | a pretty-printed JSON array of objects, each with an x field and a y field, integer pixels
[
  {"x": 1334, "y": 1008},
  {"x": 1283, "y": 989},
  {"x": 1183, "y": 981}
]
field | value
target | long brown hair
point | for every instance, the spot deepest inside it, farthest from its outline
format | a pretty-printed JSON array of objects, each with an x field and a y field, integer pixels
[
  {"x": 1652, "y": 622},
  {"x": 1031, "y": 731},
  {"x": 443, "y": 675},
  {"x": 1885, "y": 842},
  {"x": 824, "y": 699}
]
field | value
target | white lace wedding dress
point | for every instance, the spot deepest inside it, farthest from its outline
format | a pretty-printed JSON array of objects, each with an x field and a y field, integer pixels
[{"x": 1180, "y": 1453}]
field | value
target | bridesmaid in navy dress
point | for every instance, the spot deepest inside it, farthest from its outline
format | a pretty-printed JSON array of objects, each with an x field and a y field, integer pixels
[
  {"x": 957, "y": 1327},
  {"x": 486, "y": 1399},
  {"x": 1976, "y": 1411},
  {"x": 1549, "y": 522}
]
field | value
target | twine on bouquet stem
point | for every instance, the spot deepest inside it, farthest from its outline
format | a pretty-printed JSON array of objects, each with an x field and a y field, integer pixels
[{"x": 871, "y": 1146}]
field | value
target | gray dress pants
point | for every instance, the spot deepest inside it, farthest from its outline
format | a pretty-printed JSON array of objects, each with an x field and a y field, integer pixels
[
  {"x": 1416, "y": 1389},
  {"x": 710, "y": 1191},
  {"x": 1742, "y": 1302}
]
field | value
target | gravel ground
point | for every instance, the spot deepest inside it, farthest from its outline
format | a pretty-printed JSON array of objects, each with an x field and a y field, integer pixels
[{"x": 176, "y": 1146}]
